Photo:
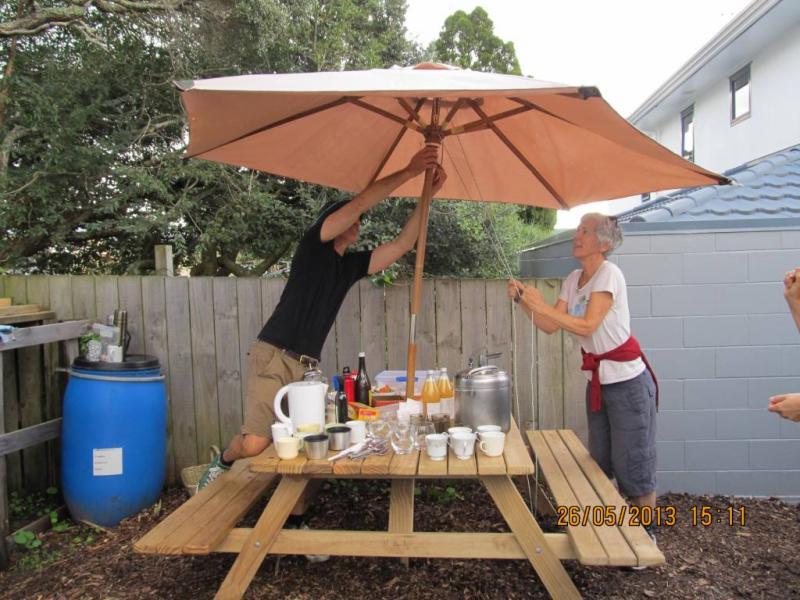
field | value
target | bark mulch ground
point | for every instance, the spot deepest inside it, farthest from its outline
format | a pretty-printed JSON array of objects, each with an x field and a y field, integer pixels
[{"x": 758, "y": 560}]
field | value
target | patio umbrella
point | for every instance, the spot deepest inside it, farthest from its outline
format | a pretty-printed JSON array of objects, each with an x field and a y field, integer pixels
[{"x": 504, "y": 138}]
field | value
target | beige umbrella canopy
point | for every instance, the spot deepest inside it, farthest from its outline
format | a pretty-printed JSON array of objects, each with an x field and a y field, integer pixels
[{"x": 504, "y": 138}]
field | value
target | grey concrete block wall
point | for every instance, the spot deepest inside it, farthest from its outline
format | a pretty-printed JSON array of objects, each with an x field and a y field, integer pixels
[{"x": 708, "y": 309}]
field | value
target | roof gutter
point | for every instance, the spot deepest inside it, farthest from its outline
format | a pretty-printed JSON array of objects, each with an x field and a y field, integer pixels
[{"x": 741, "y": 23}]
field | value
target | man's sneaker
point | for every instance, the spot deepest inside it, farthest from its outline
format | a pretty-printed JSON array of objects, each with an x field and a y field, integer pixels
[{"x": 214, "y": 470}]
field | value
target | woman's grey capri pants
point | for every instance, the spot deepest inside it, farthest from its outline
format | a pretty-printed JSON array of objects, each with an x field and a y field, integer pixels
[{"x": 622, "y": 434}]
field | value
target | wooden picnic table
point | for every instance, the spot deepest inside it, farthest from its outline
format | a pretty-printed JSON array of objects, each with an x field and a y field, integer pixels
[{"x": 191, "y": 529}]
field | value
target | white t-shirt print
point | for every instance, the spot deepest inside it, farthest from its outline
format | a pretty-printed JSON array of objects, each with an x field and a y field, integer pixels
[{"x": 614, "y": 330}]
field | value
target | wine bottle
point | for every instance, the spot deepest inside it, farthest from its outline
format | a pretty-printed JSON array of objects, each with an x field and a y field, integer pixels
[{"x": 363, "y": 384}]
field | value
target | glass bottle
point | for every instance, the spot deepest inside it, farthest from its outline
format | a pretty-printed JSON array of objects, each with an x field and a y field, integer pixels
[
  {"x": 430, "y": 396},
  {"x": 445, "y": 393},
  {"x": 363, "y": 384}
]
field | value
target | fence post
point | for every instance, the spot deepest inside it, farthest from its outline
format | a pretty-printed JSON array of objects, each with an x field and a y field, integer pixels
[{"x": 163, "y": 254}]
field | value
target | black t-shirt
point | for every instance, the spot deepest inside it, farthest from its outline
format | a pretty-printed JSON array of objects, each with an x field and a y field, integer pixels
[{"x": 318, "y": 283}]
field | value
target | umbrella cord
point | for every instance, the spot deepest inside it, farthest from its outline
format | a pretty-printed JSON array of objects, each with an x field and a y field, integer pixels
[{"x": 533, "y": 501}]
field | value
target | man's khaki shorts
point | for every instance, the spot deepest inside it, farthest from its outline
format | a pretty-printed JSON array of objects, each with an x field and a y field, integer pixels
[{"x": 268, "y": 370}]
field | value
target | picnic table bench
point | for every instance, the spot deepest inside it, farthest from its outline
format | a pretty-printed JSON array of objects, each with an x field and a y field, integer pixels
[
  {"x": 602, "y": 533},
  {"x": 207, "y": 522}
]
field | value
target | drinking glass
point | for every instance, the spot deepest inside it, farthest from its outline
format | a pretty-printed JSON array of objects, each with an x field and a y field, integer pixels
[
  {"x": 419, "y": 431},
  {"x": 441, "y": 421},
  {"x": 402, "y": 440},
  {"x": 379, "y": 429}
]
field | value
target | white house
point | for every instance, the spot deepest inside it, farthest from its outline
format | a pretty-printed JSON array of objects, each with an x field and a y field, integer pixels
[
  {"x": 704, "y": 266},
  {"x": 737, "y": 99}
]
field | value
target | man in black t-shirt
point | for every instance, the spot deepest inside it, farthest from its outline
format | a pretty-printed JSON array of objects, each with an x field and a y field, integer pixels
[{"x": 322, "y": 273}]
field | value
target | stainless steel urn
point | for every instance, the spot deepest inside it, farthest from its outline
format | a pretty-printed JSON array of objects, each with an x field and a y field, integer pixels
[{"x": 483, "y": 397}]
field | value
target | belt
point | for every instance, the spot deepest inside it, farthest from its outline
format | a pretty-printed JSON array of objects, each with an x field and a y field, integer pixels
[{"x": 305, "y": 360}]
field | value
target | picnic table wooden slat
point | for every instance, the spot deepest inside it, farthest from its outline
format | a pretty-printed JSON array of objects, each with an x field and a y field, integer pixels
[
  {"x": 266, "y": 461},
  {"x": 587, "y": 545},
  {"x": 461, "y": 467},
  {"x": 319, "y": 466},
  {"x": 490, "y": 465},
  {"x": 377, "y": 464},
  {"x": 518, "y": 460},
  {"x": 200, "y": 523},
  {"x": 292, "y": 466},
  {"x": 647, "y": 553},
  {"x": 618, "y": 550},
  {"x": 405, "y": 464},
  {"x": 431, "y": 468},
  {"x": 452, "y": 545},
  {"x": 348, "y": 466}
]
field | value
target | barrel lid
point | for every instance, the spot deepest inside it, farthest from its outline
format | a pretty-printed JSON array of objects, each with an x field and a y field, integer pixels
[
  {"x": 132, "y": 362},
  {"x": 486, "y": 377}
]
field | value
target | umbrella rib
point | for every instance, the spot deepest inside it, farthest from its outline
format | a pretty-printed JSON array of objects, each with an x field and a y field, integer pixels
[
  {"x": 392, "y": 148},
  {"x": 284, "y": 121},
  {"x": 386, "y": 114},
  {"x": 452, "y": 113},
  {"x": 413, "y": 113},
  {"x": 480, "y": 124},
  {"x": 533, "y": 106},
  {"x": 517, "y": 153}
]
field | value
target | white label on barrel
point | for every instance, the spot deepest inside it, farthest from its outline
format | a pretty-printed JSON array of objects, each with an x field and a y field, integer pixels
[{"x": 107, "y": 461}]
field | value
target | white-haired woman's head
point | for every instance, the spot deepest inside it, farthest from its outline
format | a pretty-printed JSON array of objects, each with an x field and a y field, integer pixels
[{"x": 607, "y": 230}]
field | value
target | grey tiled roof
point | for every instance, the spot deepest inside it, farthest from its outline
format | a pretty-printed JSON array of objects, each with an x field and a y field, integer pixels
[{"x": 765, "y": 188}]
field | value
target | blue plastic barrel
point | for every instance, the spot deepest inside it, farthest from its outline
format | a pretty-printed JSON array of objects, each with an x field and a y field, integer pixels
[{"x": 113, "y": 438}]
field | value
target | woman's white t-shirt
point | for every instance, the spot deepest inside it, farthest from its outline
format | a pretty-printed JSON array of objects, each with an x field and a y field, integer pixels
[{"x": 614, "y": 330}]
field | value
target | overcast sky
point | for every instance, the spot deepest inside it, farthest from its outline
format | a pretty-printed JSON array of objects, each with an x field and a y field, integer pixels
[{"x": 627, "y": 48}]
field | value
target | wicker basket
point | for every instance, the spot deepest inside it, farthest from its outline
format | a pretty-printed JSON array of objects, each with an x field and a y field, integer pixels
[{"x": 190, "y": 476}]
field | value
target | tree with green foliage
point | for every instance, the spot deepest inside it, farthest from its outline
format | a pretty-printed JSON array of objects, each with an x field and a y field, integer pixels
[
  {"x": 92, "y": 137},
  {"x": 95, "y": 134},
  {"x": 468, "y": 41}
]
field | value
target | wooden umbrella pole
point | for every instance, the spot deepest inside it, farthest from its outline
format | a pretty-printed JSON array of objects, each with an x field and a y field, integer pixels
[
  {"x": 417, "y": 292},
  {"x": 433, "y": 135}
]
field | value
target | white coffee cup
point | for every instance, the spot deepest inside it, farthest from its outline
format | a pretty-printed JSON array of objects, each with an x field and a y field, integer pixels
[
  {"x": 436, "y": 445},
  {"x": 358, "y": 431},
  {"x": 484, "y": 428},
  {"x": 287, "y": 447},
  {"x": 463, "y": 444},
  {"x": 492, "y": 443},
  {"x": 280, "y": 430},
  {"x": 454, "y": 430}
]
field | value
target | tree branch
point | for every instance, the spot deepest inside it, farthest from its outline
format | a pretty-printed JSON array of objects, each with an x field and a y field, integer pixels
[
  {"x": 42, "y": 18},
  {"x": 234, "y": 268}
]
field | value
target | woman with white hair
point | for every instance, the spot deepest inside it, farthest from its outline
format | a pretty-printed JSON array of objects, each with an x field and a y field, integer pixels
[{"x": 621, "y": 394}]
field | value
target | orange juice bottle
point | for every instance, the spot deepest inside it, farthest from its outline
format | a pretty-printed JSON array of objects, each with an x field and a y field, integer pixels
[
  {"x": 445, "y": 393},
  {"x": 430, "y": 395}
]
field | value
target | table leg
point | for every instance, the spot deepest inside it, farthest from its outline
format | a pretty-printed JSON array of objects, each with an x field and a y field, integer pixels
[
  {"x": 530, "y": 537},
  {"x": 262, "y": 537},
  {"x": 401, "y": 508}
]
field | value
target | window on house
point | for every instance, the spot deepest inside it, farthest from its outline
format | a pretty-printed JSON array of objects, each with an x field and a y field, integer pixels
[
  {"x": 740, "y": 95},
  {"x": 687, "y": 133}
]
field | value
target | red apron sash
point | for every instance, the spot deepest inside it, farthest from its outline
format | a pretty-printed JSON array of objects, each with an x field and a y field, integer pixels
[{"x": 628, "y": 351}]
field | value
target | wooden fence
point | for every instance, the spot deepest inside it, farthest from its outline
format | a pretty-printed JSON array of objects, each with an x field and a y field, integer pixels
[{"x": 200, "y": 328}]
